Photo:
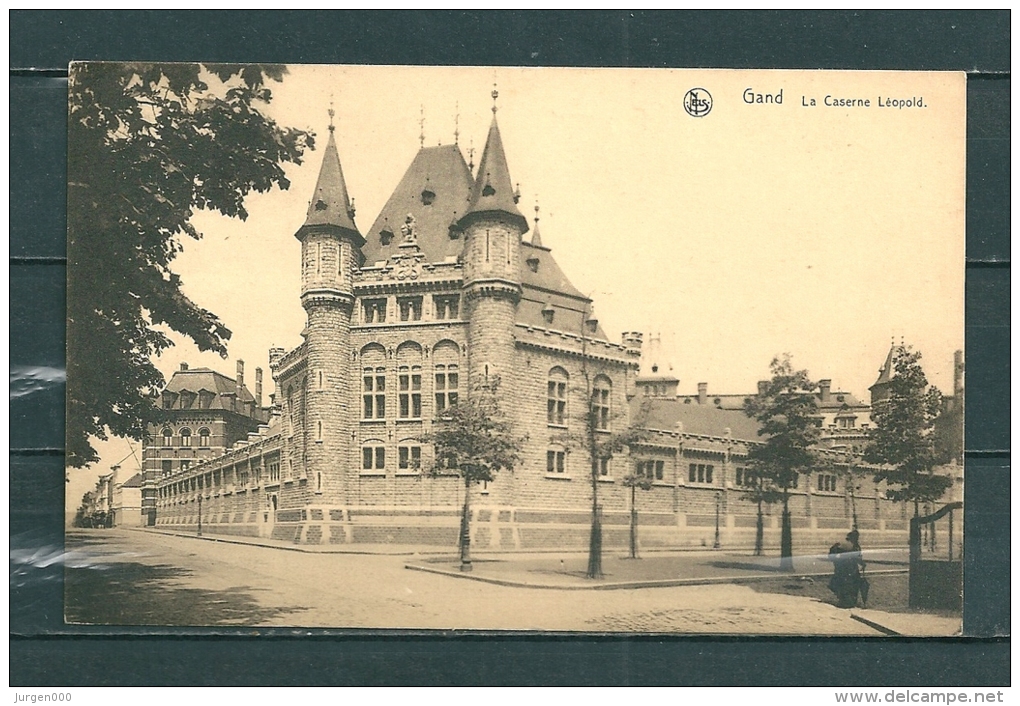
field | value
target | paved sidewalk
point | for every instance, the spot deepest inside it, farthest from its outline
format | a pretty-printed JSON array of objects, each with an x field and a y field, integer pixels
[{"x": 372, "y": 549}]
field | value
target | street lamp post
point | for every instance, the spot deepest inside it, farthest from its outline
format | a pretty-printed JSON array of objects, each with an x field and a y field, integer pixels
[
  {"x": 718, "y": 507},
  {"x": 199, "y": 513}
]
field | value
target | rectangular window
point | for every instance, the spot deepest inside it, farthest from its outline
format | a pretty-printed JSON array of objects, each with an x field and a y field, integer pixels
[
  {"x": 185, "y": 465},
  {"x": 373, "y": 458},
  {"x": 409, "y": 385},
  {"x": 374, "y": 311},
  {"x": 826, "y": 483},
  {"x": 409, "y": 458},
  {"x": 447, "y": 384},
  {"x": 446, "y": 306},
  {"x": 600, "y": 403},
  {"x": 604, "y": 467},
  {"x": 167, "y": 468},
  {"x": 556, "y": 411},
  {"x": 555, "y": 461},
  {"x": 410, "y": 308},
  {"x": 700, "y": 473},
  {"x": 374, "y": 393},
  {"x": 659, "y": 469}
]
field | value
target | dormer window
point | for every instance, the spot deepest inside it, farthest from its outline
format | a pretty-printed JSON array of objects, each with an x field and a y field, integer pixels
[
  {"x": 385, "y": 236},
  {"x": 454, "y": 229},
  {"x": 488, "y": 190},
  {"x": 548, "y": 313},
  {"x": 532, "y": 263},
  {"x": 428, "y": 196},
  {"x": 593, "y": 325},
  {"x": 321, "y": 205}
]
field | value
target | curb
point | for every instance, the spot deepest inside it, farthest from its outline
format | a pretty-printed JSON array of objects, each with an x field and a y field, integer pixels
[
  {"x": 618, "y": 585},
  {"x": 295, "y": 548},
  {"x": 875, "y": 626}
]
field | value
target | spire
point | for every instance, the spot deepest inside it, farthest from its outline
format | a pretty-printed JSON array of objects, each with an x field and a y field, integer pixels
[
  {"x": 886, "y": 372},
  {"x": 330, "y": 205},
  {"x": 536, "y": 237},
  {"x": 493, "y": 192}
]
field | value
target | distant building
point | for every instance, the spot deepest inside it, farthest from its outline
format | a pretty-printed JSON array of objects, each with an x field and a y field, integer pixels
[{"x": 126, "y": 507}]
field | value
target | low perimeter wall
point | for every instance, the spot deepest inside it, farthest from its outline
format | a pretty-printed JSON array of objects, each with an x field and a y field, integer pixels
[{"x": 507, "y": 529}]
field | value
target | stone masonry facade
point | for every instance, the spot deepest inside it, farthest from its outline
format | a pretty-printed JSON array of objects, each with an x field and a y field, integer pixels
[{"x": 402, "y": 322}]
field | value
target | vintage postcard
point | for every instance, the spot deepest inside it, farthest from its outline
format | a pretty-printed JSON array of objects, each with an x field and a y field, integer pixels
[{"x": 597, "y": 350}]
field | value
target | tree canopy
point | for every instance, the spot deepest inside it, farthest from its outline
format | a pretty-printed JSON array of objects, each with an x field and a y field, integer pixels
[
  {"x": 149, "y": 144},
  {"x": 474, "y": 439},
  {"x": 903, "y": 438},
  {"x": 786, "y": 414}
]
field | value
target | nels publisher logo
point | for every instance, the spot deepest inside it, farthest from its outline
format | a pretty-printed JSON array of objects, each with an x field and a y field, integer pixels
[{"x": 698, "y": 102}]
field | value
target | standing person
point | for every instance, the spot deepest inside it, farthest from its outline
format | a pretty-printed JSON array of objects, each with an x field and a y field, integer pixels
[
  {"x": 846, "y": 581},
  {"x": 857, "y": 567}
]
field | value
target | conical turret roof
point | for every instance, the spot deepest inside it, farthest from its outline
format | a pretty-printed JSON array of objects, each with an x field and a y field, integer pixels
[
  {"x": 493, "y": 191},
  {"x": 330, "y": 204},
  {"x": 886, "y": 372}
]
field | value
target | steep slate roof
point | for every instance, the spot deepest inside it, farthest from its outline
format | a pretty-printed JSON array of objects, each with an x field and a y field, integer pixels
[
  {"x": 885, "y": 373},
  {"x": 195, "y": 379},
  {"x": 704, "y": 420},
  {"x": 493, "y": 191},
  {"x": 445, "y": 173},
  {"x": 330, "y": 204},
  {"x": 549, "y": 276}
]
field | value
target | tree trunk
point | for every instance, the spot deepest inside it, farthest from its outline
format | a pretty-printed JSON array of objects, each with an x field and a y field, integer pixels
[
  {"x": 595, "y": 541},
  {"x": 633, "y": 522},
  {"x": 465, "y": 530},
  {"x": 786, "y": 540},
  {"x": 759, "y": 533}
]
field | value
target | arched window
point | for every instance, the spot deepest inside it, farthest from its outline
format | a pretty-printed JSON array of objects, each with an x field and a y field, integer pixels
[
  {"x": 185, "y": 437},
  {"x": 203, "y": 438},
  {"x": 373, "y": 456},
  {"x": 601, "y": 396},
  {"x": 556, "y": 402},
  {"x": 168, "y": 436}
]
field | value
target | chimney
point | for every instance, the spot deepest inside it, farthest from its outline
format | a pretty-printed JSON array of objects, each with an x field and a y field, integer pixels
[
  {"x": 258, "y": 388},
  {"x": 702, "y": 393},
  {"x": 184, "y": 366},
  {"x": 825, "y": 386},
  {"x": 240, "y": 378},
  {"x": 763, "y": 386}
]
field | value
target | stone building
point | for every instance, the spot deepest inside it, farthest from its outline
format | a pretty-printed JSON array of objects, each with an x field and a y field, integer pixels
[{"x": 452, "y": 286}]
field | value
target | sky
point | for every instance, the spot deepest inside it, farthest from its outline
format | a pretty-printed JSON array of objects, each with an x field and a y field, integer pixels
[{"x": 758, "y": 229}]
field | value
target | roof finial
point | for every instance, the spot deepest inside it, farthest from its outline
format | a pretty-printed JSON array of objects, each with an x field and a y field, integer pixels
[
  {"x": 421, "y": 123},
  {"x": 456, "y": 124},
  {"x": 471, "y": 154},
  {"x": 536, "y": 210},
  {"x": 495, "y": 94},
  {"x": 331, "y": 114}
]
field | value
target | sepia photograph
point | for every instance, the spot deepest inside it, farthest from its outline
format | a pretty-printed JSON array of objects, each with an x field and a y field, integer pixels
[{"x": 515, "y": 349}]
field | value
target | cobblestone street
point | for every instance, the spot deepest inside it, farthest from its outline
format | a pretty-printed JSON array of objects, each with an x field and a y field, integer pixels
[{"x": 145, "y": 578}]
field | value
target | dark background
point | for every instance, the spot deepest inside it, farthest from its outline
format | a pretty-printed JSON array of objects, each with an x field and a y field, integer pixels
[{"x": 45, "y": 652}]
